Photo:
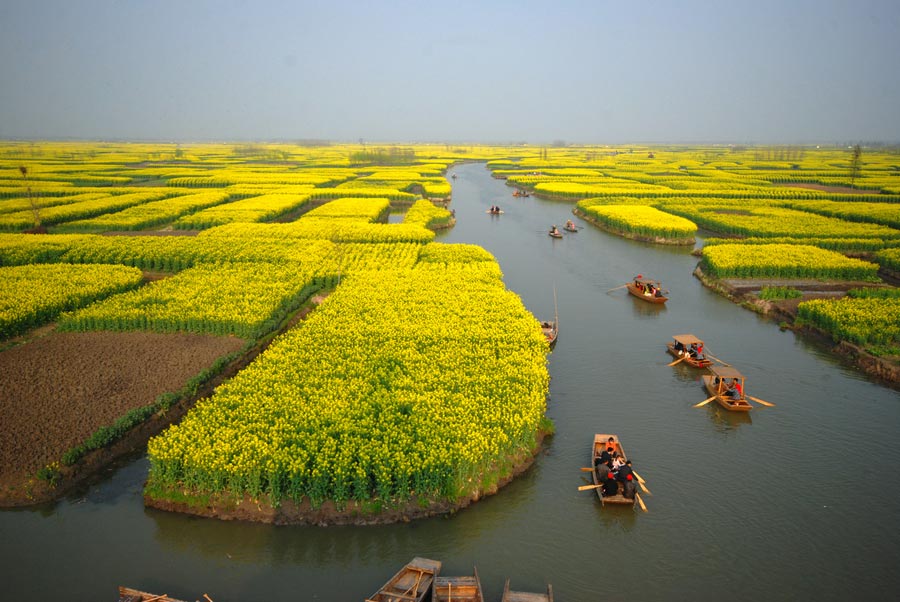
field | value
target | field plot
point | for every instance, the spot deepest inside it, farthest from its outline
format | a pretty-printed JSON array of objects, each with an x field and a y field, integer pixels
[
  {"x": 246, "y": 300},
  {"x": 32, "y": 295},
  {"x": 57, "y": 390},
  {"x": 784, "y": 261},
  {"x": 399, "y": 386}
]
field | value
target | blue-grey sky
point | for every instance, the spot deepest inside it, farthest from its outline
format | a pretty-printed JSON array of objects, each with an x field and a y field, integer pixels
[{"x": 593, "y": 71}]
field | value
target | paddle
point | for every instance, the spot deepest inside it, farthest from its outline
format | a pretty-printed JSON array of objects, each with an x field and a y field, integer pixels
[
  {"x": 678, "y": 361},
  {"x": 637, "y": 496},
  {"x": 586, "y": 487},
  {"x": 758, "y": 400},
  {"x": 586, "y": 469},
  {"x": 712, "y": 357},
  {"x": 638, "y": 477},
  {"x": 705, "y": 401},
  {"x": 644, "y": 487},
  {"x": 617, "y": 288}
]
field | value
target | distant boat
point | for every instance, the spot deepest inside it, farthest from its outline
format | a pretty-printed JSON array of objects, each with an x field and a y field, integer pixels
[
  {"x": 721, "y": 384},
  {"x": 685, "y": 341},
  {"x": 500, "y": 212},
  {"x": 646, "y": 290}
]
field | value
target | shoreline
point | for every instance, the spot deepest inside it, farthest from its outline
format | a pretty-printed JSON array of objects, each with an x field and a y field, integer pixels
[
  {"x": 884, "y": 371},
  {"x": 226, "y": 506}
]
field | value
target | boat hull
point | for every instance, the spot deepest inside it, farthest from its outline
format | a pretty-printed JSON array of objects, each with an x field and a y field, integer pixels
[
  {"x": 412, "y": 583},
  {"x": 688, "y": 360},
  {"x": 732, "y": 405},
  {"x": 600, "y": 442},
  {"x": 644, "y": 297}
]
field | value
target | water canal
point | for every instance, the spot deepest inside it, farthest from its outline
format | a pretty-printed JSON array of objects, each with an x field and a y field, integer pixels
[{"x": 800, "y": 501}]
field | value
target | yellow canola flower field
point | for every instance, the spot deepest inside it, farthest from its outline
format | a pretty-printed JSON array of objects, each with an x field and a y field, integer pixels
[
  {"x": 644, "y": 221},
  {"x": 243, "y": 299},
  {"x": 254, "y": 209},
  {"x": 411, "y": 382},
  {"x": 784, "y": 261},
  {"x": 32, "y": 295},
  {"x": 364, "y": 209}
]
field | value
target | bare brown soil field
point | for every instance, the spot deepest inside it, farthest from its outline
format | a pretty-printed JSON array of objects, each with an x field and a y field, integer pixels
[
  {"x": 834, "y": 189},
  {"x": 57, "y": 389}
]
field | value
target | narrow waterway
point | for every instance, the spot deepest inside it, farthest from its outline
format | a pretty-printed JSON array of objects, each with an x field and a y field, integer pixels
[{"x": 795, "y": 502}]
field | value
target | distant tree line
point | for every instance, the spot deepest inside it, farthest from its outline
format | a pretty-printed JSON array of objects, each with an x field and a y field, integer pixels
[{"x": 383, "y": 156}]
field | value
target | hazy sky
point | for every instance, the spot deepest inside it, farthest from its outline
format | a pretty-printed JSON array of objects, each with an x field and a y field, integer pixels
[{"x": 591, "y": 71}]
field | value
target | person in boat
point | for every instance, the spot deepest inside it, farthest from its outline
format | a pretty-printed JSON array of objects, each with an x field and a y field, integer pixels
[
  {"x": 737, "y": 389},
  {"x": 679, "y": 347},
  {"x": 617, "y": 462},
  {"x": 693, "y": 350},
  {"x": 658, "y": 292},
  {"x": 625, "y": 475},
  {"x": 699, "y": 355},
  {"x": 554, "y": 230},
  {"x": 570, "y": 224},
  {"x": 610, "y": 485}
]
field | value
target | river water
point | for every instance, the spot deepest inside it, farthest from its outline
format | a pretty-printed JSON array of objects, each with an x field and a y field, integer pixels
[{"x": 796, "y": 502}]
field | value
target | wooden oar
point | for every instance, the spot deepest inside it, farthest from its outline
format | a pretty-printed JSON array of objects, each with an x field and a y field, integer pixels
[
  {"x": 617, "y": 288},
  {"x": 678, "y": 361},
  {"x": 637, "y": 496},
  {"x": 644, "y": 487},
  {"x": 586, "y": 487},
  {"x": 705, "y": 401},
  {"x": 758, "y": 400},
  {"x": 638, "y": 477},
  {"x": 586, "y": 469},
  {"x": 712, "y": 357}
]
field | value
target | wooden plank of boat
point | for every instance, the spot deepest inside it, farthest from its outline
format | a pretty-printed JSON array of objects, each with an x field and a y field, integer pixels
[
  {"x": 511, "y": 596},
  {"x": 412, "y": 583},
  {"x": 601, "y": 442},
  {"x": 458, "y": 589},
  {"x": 686, "y": 341},
  {"x": 127, "y": 594},
  {"x": 644, "y": 295},
  {"x": 716, "y": 386}
]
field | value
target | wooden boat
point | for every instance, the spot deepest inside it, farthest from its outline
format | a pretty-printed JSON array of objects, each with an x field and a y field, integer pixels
[
  {"x": 569, "y": 228},
  {"x": 601, "y": 442},
  {"x": 551, "y": 328},
  {"x": 413, "y": 583},
  {"x": 511, "y": 596},
  {"x": 718, "y": 383},
  {"x": 555, "y": 234},
  {"x": 686, "y": 341},
  {"x": 458, "y": 589},
  {"x": 551, "y": 331},
  {"x": 126, "y": 594},
  {"x": 640, "y": 288},
  {"x": 495, "y": 212}
]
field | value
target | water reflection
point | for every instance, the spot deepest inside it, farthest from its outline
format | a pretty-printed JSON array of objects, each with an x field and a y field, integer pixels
[
  {"x": 617, "y": 516},
  {"x": 686, "y": 373},
  {"x": 646, "y": 310},
  {"x": 725, "y": 421}
]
